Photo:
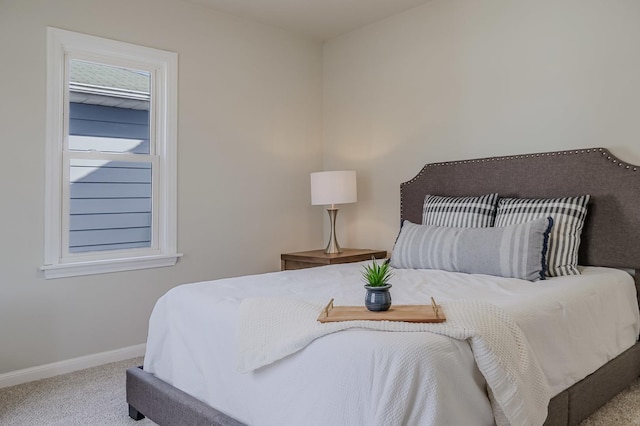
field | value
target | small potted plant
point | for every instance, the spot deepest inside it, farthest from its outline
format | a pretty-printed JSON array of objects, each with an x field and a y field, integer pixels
[{"x": 376, "y": 277}]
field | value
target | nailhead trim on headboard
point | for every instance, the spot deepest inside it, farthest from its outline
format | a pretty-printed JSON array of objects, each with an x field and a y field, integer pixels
[{"x": 602, "y": 151}]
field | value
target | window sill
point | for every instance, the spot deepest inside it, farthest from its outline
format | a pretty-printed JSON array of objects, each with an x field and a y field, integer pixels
[{"x": 63, "y": 270}]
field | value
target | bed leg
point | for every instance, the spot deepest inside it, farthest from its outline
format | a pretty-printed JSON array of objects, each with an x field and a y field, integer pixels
[{"x": 135, "y": 414}]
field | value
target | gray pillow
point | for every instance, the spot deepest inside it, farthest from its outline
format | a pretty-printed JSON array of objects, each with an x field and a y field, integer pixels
[
  {"x": 460, "y": 212},
  {"x": 516, "y": 251},
  {"x": 568, "y": 215}
]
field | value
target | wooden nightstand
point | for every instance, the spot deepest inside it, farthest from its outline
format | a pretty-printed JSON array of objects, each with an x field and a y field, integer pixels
[{"x": 312, "y": 258}]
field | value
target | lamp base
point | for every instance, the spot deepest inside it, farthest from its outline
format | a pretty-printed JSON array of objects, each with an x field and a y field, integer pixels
[{"x": 333, "y": 247}]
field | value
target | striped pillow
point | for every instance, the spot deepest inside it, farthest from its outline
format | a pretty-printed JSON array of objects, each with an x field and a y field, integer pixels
[
  {"x": 568, "y": 216},
  {"x": 459, "y": 212},
  {"x": 516, "y": 251}
]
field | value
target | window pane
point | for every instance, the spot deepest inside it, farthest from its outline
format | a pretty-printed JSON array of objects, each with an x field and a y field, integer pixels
[
  {"x": 108, "y": 108},
  {"x": 110, "y": 205},
  {"x": 85, "y": 143}
]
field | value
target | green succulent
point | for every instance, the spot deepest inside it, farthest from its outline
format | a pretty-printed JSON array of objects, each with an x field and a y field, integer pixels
[{"x": 377, "y": 275}]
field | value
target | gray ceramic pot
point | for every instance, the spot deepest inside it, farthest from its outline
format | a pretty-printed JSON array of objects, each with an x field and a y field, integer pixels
[{"x": 378, "y": 298}]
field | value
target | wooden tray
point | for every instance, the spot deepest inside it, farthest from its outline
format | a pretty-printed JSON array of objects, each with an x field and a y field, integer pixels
[{"x": 406, "y": 313}]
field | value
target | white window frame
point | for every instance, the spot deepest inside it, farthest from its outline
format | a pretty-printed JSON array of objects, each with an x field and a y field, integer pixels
[{"x": 62, "y": 46}]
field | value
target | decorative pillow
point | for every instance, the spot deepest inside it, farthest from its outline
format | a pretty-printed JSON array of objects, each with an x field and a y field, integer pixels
[
  {"x": 568, "y": 217},
  {"x": 516, "y": 251},
  {"x": 459, "y": 212}
]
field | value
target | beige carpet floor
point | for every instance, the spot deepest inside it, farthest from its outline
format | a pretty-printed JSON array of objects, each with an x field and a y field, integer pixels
[{"x": 96, "y": 396}]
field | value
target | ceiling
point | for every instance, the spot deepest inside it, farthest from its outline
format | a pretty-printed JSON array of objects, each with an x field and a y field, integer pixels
[{"x": 320, "y": 19}]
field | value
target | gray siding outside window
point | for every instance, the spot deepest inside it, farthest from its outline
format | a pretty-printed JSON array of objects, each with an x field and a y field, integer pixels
[{"x": 110, "y": 204}]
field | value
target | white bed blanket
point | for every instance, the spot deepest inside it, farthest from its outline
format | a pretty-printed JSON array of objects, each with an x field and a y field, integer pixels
[
  {"x": 270, "y": 329},
  {"x": 572, "y": 324}
]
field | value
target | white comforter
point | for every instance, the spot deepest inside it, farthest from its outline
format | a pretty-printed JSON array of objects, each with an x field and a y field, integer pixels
[
  {"x": 573, "y": 326},
  {"x": 270, "y": 329}
]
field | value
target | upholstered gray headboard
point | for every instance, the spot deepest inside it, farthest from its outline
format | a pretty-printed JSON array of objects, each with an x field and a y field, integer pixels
[{"x": 611, "y": 236}]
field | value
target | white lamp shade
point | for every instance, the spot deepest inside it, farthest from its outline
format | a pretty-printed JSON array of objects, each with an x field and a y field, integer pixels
[{"x": 337, "y": 187}]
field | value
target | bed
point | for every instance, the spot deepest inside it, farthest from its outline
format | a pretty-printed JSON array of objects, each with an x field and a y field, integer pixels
[{"x": 610, "y": 238}]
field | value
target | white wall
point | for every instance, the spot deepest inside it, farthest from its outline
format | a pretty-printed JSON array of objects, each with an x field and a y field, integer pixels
[
  {"x": 459, "y": 79},
  {"x": 449, "y": 80},
  {"x": 249, "y": 135}
]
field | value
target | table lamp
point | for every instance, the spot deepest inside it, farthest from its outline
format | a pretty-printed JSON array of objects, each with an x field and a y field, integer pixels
[{"x": 331, "y": 188}]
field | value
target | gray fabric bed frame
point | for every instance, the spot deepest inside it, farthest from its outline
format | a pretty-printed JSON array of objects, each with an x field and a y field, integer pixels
[{"x": 611, "y": 237}]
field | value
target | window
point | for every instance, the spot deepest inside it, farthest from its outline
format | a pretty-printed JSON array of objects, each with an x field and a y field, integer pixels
[{"x": 111, "y": 156}]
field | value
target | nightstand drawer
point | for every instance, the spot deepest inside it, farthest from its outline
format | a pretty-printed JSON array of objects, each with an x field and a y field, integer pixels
[{"x": 313, "y": 258}]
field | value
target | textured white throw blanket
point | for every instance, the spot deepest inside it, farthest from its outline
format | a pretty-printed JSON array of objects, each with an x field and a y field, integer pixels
[{"x": 270, "y": 329}]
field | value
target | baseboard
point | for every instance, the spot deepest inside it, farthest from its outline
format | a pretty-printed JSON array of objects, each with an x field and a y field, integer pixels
[{"x": 62, "y": 367}]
